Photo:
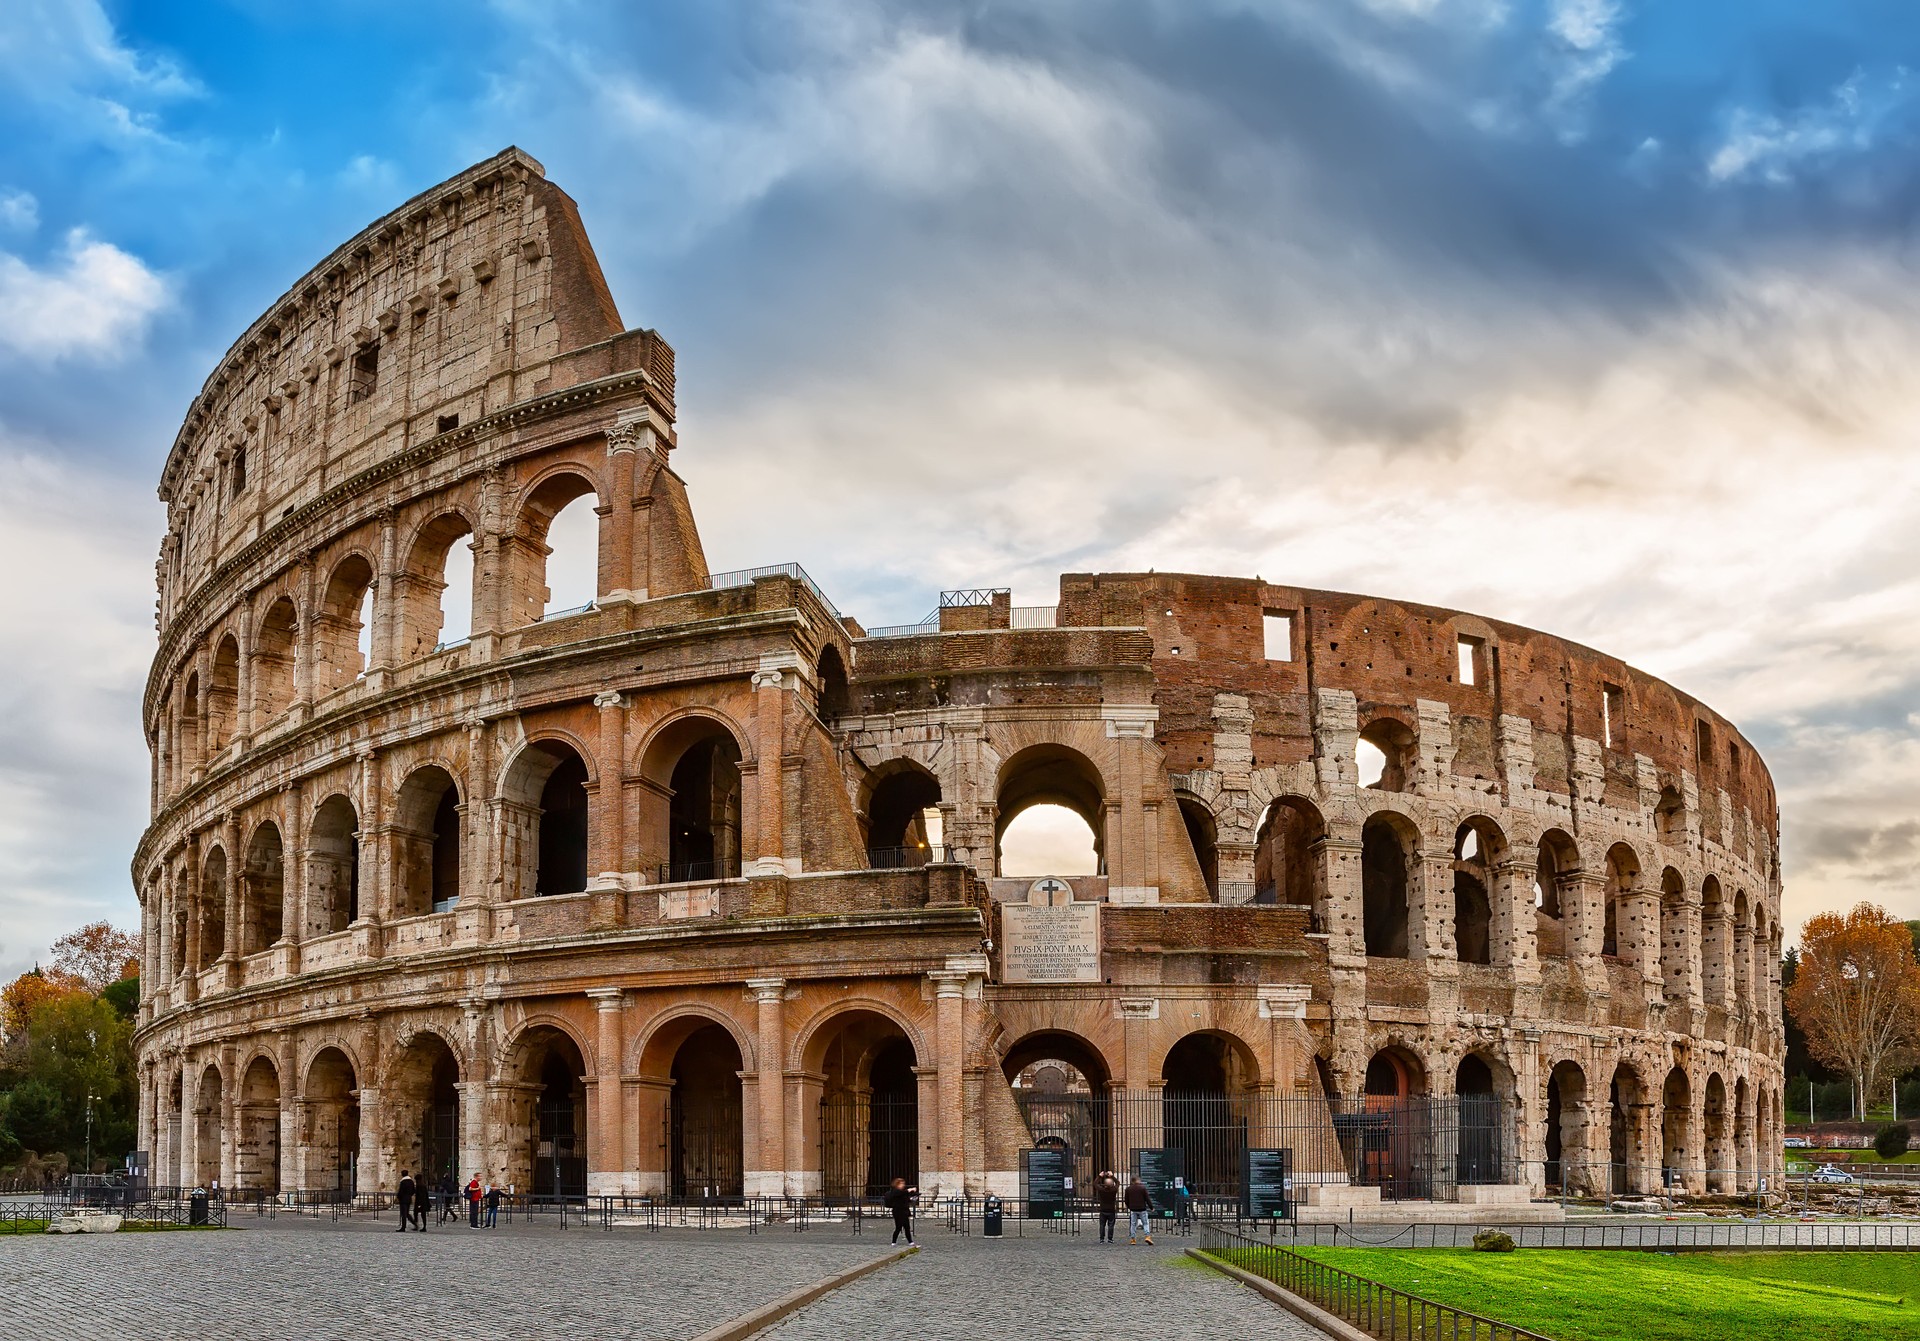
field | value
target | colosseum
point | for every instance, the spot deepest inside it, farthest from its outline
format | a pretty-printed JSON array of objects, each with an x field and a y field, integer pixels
[{"x": 693, "y": 887}]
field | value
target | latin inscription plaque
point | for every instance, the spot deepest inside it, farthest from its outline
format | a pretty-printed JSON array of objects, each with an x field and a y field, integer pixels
[{"x": 1044, "y": 940}]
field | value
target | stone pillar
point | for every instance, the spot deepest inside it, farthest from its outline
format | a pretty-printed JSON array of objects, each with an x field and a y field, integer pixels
[
  {"x": 766, "y": 1176},
  {"x": 190, "y": 875},
  {"x": 617, "y": 561},
  {"x": 303, "y": 644},
  {"x": 1284, "y": 1006},
  {"x": 1344, "y": 918},
  {"x": 950, "y": 987},
  {"x": 1583, "y": 903},
  {"x": 1132, "y": 839},
  {"x": 1512, "y": 930},
  {"x": 236, "y": 869},
  {"x": 371, "y": 1171},
  {"x": 609, "y": 830},
  {"x": 604, "y": 1174},
  {"x": 386, "y": 617},
  {"x": 243, "y": 683},
  {"x": 1430, "y": 905},
  {"x": 778, "y": 671},
  {"x": 1641, "y": 937}
]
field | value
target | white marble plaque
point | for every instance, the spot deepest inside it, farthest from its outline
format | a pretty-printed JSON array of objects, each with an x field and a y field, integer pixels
[{"x": 1050, "y": 942}]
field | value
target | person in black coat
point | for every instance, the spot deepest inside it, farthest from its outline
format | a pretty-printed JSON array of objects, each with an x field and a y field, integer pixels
[
  {"x": 899, "y": 1200},
  {"x": 1106, "y": 1197},
  {"x": 405, "y": 1199}
]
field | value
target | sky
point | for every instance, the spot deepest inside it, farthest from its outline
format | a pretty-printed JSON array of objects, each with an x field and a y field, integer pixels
[{"x": 1595, "y": 316}]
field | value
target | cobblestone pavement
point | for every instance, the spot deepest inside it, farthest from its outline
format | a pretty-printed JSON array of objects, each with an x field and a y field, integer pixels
[
  {"x": 961, "y": 1289},
  {"x": 317, "y": 1280}
]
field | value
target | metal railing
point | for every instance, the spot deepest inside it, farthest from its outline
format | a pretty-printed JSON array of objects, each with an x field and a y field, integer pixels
[
  {"x": 744, "y": 577},
  {"x": 566, "y": 613},
  {"x": 1033, "y": 616},
  {"x": 1622, "y": 1236},
  {"x": 690, "y": 872},
  {"x": 931, "y": 624},
  {"x": 32, "y": 1217},
  {"x": 904, "y": 858},
  {"x": 1379, "y": 1310}
]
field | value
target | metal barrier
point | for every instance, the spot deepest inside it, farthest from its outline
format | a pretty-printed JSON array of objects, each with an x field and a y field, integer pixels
[
  {"x": 1379, "y": 1310},
  {"x": 31, "y": 1217}
]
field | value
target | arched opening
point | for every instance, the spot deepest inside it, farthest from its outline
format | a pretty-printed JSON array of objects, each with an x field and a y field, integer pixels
[
  {"x": 1566, "y": 1129},
  {"x": 208, "y": 1101},
  {"x": 1389, "y": 1140},
  {"x": 831, "y": 674},
  {"x": 332, "y": 1094},
  {"x": 1286, "y": 858},
  {"x": 1060, "y": 1085},
  {"x": 256, "y": 1151},
  {"x": 426, "y": 843},
  {"x": 869, "y": 1107},
  {"x": 189, "y": 751},
  {"x": 435, "y": 589},
  {"x": 703, "y": 817},
  {"x": 265, "y": 889},
  {"x": 903, "y": 823},
  {"x": 705, "y": 1156},
  {"x": 424, "y": 1097},
  {"x": 223, "y": 695},
  {"x": 1481, "y": 1156},
  {"x": 333, "y": 868},
  {"x": 1203, "y": 1103},
  {"x": 1386, "y": 755},
  {"x": 1670, "y": 816},
  {"x": 1386, "y": 857},
  {"x": 1719, "y": 1148},
  {"x": 213, "y": 907},
  {"x": 1744, "y": 1146},
  {"x": 1675, "y": 1116},
  {"x": 547, "y": 1147},
  {"x": 1042, "y": 791},
  {"x": 175, "y": 1174},
  {"x": 343, "y": 629},
  {"x": 1203, "y": 835},
  {"x": 1476, "y": 845},
  {"x": 1554, "y": 889},
  {"x": 557, "y": 550},
  {"x": 1624, "y": 1102},
  {"x": 544, "y": 815},
  {"x": 273, "y": 661},
  {"x": 1623, "y": 875},
  {"x": 1743, "y": 944},
  {"x": 1716, "y": 949},
  {"x": 1675, "y": 965}
]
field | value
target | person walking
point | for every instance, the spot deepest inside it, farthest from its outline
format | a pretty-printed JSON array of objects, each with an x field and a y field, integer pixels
[
  {"x": 403, "y": 1196},
  {"x": 1139, "y": 1205},
  {"x": 899, "y": 1200},
  {"x": 493, "y": 1205},
  {"x": 1106, "y": 1198},
  {"x": 473, "y": 1201},
  {"x": 449, "y": 1197}
]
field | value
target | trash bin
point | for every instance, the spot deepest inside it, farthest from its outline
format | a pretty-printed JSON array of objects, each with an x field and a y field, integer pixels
[
  {"x": 992, "y": 1218},
  {"x": 197, "y": 1207}
]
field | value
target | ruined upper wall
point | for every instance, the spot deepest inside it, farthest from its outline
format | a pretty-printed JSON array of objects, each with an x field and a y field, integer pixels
[
  {"x": 1209, "y": 638},
  {"x": 475, "y": 295}
]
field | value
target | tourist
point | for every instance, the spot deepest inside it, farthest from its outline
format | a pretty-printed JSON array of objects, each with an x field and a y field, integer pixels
[
  {"x": 1139, "y": 1207},
  {"x": 493, "y": 1204},
  {"x": 899, "y": 1200},
  {"x": 449, "y": 1197},
  {"x": 1106, "y": 1198},
  {"x": 405, "y": 1198},
  {"x": 473, "y": 1201}
]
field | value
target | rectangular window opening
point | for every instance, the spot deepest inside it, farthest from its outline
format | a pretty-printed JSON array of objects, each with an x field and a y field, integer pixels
[
  {"x": 1613, "y": 714},
  {"x": 449, "y": 422},
  {"x": 1469, "y": 653},
  {"x": 1703, "y": 742},
  {"x": 1277, "y": 628},
  {"x": 365, "y": 373},
  {"x": 237, "y": 471}
]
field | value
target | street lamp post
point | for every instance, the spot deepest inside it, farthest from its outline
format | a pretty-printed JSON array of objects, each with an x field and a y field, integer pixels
[{"x": 89, "y": 1168}]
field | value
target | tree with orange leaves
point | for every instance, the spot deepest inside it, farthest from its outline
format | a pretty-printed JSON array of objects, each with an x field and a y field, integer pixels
[
  {"x": 99, "y": 954},
  {"x": 1857, "y": 994},
  {"x": 28, "y": 992}
]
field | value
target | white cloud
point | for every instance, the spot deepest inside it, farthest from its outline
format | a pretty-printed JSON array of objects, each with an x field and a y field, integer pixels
[
  {"x": 1774, "y": 148},
  {"x": 93, "y": 301},
  {"x": 19, "y": 211}
]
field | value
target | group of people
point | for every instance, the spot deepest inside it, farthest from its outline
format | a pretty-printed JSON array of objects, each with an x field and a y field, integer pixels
[
  {"x": 415, "y": 1197},
  {"x": 1108, "y": 1196}
]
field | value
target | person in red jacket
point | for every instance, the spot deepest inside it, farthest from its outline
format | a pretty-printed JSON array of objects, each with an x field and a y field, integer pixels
[{"x": 473, "y": 1202}]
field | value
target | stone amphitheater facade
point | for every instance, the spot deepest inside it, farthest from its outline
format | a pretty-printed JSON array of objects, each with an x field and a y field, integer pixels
[{"x": 675, "y": 893}]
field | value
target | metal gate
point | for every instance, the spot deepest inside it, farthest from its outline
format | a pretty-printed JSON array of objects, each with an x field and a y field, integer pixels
[
  {"x": 866, "y": 1141},
  {"x": 704, "y": 1148}
]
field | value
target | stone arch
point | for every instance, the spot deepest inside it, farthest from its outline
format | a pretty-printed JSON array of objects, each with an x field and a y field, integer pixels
[
  {"x": 1628, "y": 1106},
  {"x": 263, "y": 889},
  {"x": 1555, "y": 889},
  {"x": 256, "y": 1149},
  {"x": 1052, "y": 774},
  {"x": 1676, "y": 936},
  {"x": 341, "y": 622},
  {"x": 547, "y": 1142},
  {"x": 811, "y": 1039},
  {"x": 330, "y": 1141},
  {"x": 1395, "y": 1071},
  {"x": 1566, "y": 1133},
  {"x": 1060, "y": 1082},
  {"x": 1743, "y": 942},
  {"x": 1203, "y": 835},
  {"x": 1483, "y": 1085},
  {"x": 188, "y": 747},
  {"x": 527, "y": 551},
  {"x": 420, "y": 1102},
  {"x": 896, "y": 797},
  {"x": 1676, "y": 1121},
  {"x": 705, "y": 1109},
  {"x": 209, "y": 1124},
  {"x": 651, "y": 1052},
  {"x": 333, "y": 867},
  {"x": 223, "y": 694},
  {"x": 1479, "y": 847},
  {"x": 1289, "y": 865},
  {"x": 866, "y": 1124},
  {"x": 1623, "y": 878},
  {"x": 694, "y": 808},
  {"x": 545, "y": 818},
  {"x": 1205, "y": 1060},
  {"x": 1717, "y": 1135},
  {"x": 274, "y": 655},
  {"x": 1387, "y": 754},
  {"x": 213, "y": 906},
  {"x": 1670, "y": 816},
  {"x": 426, "y": 841},
  {"x": 1716, "y": 942},
  {"x": 1388, "y": 842},
  {"x": 830, "y": 674},
  {"x": 421, "y": 586}
]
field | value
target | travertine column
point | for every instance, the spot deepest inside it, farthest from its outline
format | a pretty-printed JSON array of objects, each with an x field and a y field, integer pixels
[
  {"x": 1583, "y": 903},
  {"x": 191, "y": 877},
  {"x": 609, "y": 829},
  {"x": 1430, "y": 905},
  {"x": 617, "y": 561},
  {"x": 767, "y": 1177},
  {"x": 236, "y": 866},
  {"x": 950, "y": 1048},
  {"x": 778, "y": 672},
  {"x": 1512, "y": 930},
  {"x": 603, "y": 1150}
]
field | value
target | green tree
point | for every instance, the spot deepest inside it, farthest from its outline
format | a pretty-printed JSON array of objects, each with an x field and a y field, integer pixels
[{"x": 77, "y": 1045}]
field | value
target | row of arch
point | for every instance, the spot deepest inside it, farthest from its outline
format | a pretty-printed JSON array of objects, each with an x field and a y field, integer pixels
[{"x": 302, "y": 647}]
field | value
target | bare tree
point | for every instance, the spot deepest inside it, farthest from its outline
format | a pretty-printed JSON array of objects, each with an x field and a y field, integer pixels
[{"x": 1857, "y": 994}]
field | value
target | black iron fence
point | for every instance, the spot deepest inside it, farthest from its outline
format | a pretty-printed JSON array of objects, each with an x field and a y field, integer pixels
[
  {"x": 1408, "y": 1148},
  {"x": 1379, "y": 1310}
]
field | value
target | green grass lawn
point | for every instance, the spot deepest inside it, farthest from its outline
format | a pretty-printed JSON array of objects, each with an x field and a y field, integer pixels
[{"x": 1632, "y": 1296}]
